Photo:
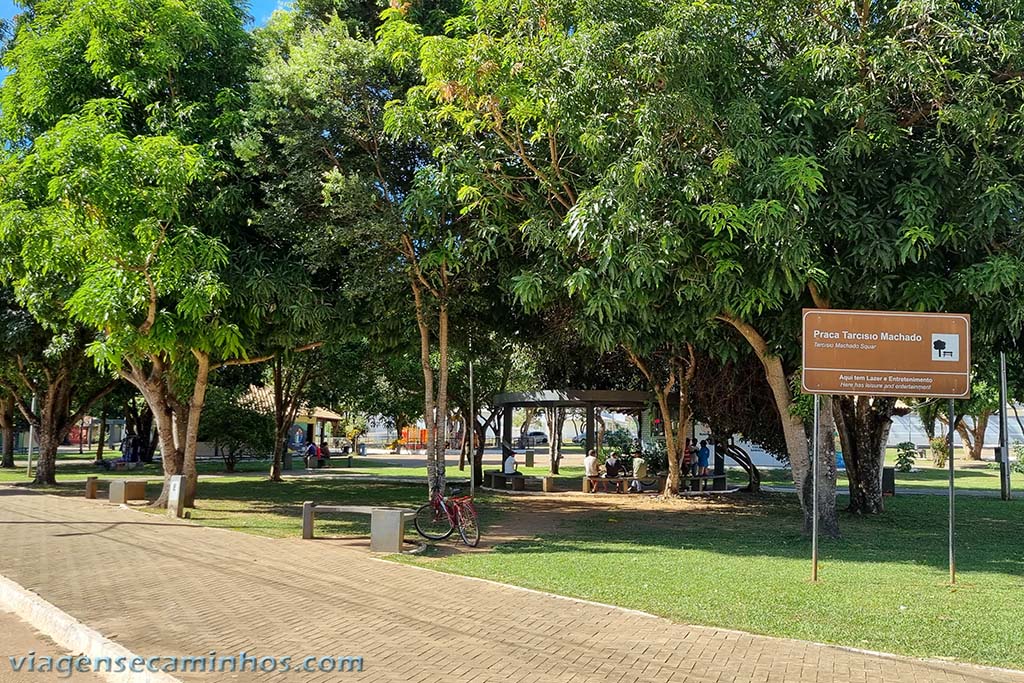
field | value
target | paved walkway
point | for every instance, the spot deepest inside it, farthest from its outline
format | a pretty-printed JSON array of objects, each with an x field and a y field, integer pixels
[
  {"x": 162, "y": 587},
  {"x": 18, "y": 639}
]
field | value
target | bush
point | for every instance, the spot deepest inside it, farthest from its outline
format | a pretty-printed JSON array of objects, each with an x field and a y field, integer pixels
[
  {"x": 1018, "y": 464},
  {"x": 236, "y": 430},
  {"x": 621, "y": 441},
  {"x": 656, "y": 457},
  {"x": 940, "y": 451},
  {"x": 905, "y": 453}
]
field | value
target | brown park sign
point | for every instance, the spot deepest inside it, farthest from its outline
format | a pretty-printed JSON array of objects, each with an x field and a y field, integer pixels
[{"x": 881, "y": 353}]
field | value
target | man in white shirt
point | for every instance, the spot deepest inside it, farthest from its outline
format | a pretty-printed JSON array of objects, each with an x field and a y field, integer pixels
[
  {"x": 509, "y": 464},
  {"x": 592, "y": 468},
  {"x": 639, "y": 472}
]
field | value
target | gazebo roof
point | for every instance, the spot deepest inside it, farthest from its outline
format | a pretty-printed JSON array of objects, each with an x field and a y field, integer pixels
[{"x": 574, "y": 398}]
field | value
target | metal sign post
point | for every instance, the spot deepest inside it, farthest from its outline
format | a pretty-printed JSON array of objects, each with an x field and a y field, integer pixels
[
  {"x": 886, "y": 353},
  {"x": 814, "y": 491},
  {"x": 1004, "y": 432},
  {"x": 472, "y": 428},
  {"x": 952, "y": 495},
  {"x": 31, "y": 435}
]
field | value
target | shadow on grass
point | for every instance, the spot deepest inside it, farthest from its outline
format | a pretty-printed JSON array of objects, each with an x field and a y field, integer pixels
[{"x": 913, "y": 530}]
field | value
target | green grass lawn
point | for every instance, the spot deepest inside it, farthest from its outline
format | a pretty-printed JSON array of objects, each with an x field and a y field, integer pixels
[
  {"x": 745, "y": 565},
  {"x": 975, "y": 477},
  {"x": 967, "y": 478},
  {"x": 737, "y": 563},
  {"x": 259, "y": 506},
  {"x": 79, "y": 470}
]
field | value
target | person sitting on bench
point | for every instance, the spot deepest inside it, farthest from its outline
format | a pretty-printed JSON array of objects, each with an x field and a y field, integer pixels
[
  {"x": 639, "y": 472},
  {"x": 509, "y": 465},
  {"x": 613, "y": 469}
]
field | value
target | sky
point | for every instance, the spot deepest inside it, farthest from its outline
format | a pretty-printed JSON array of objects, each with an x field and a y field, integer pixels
[{"x": 259, "y": 9}]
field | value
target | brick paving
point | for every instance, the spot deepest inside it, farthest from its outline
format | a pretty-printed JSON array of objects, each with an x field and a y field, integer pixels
[
  {"x": 163, "y": 587},
  {"x": 18, "y": 639}
]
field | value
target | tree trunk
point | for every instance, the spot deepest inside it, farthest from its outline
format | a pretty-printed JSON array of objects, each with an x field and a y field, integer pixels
[
  {"x": 280, "y": 428},
  {"x": 479, "y": 441},
  {"x": 524, "y": 429},
  {"x": 155, "y": 391},
  {"x": 793, "y": 427},
  {"x": 52, "y": 419},
  {"x": 742, "y": 458},
  {"x": 554, "y": 437},
  {"x": 6, "y": 432},
  {"x": 463, "y": 441},
  {"x": 559, "y": 446},
  {"x": 681, "y": 374},
  {"x": 102, "y": 435},
  {"x": 600, "y": 429},
  {"x": 980, "y": 427},
  {"x": 195, "y": 411},
  {"x": 828, "y": 519},
  {"x": 46, "y": 462},
  {"x": 440, "y": 445},
  {"x": 863, "y": 424},
  {"x": 433, "y": 411}
]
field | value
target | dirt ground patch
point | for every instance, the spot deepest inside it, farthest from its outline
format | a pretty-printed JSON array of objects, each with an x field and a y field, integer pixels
[{"x": 532, "y": 515}]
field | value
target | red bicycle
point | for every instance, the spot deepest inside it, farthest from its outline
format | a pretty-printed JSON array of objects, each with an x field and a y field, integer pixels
[{"x": 440, "y": 517}]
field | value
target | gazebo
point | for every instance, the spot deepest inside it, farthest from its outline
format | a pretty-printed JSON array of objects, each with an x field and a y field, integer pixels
[{"x": 588, "y": 399}]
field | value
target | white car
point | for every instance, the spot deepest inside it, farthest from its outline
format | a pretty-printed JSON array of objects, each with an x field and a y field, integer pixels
[
  {"x": 580, "y": 439},
  {"x": 533, "y": 439}
]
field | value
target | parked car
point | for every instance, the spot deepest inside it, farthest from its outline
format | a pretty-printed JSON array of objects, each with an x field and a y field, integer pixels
[
  {"x": 580, "y": 439},
  {"x": 532, "y": 439}
]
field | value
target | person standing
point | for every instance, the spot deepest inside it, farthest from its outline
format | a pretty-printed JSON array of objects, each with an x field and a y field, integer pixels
[
  {"x": 592, "y": 469},
  {"x": 703, "y": 458}
]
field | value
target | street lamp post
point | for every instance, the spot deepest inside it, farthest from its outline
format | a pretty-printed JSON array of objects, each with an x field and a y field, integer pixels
[{"x": 31, "y": 434}]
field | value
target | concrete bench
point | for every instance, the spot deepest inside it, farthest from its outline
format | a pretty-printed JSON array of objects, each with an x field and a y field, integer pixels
[
  {"x": 700, "y": 482},
  {"x": 500, "y": 480},
  {"x": 387, "y": 525},
  {"x": 122, "y": 491},
  {"x": 621, "y": 483}
]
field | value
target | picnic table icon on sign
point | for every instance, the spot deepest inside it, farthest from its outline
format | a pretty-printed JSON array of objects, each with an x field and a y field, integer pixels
[{"x": 946, "y": 347}]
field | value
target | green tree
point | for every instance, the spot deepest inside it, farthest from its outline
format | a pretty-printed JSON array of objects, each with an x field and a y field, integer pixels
[
  {"x": 49, "y": 363},
  {"x": 235, "y": 428},
  {"x": 604, "y": 135},
  {"x": 356, "y": 200},
  {"x": 119, "y": 183}
]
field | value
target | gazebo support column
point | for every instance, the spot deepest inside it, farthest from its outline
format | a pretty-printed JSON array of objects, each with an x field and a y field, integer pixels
[
  {"x": 591, "y": 429},
  {"x": 719, "y": 484},
  {"x": 506, "y": 432}
]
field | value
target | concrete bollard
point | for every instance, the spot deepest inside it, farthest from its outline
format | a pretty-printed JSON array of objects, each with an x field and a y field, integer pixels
[
  {"x": 175, "y": 499},
  {"x": 92, "y": 486},
  {"x": 116, "y": 493},
  {"x": 387, "y": 530},
  {"x": 307, "y": 519}
]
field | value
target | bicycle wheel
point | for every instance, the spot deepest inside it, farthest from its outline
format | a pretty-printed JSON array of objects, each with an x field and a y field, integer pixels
[
  {"x": 469, "y": 527},
  {"x": 433, "y": 523}
]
